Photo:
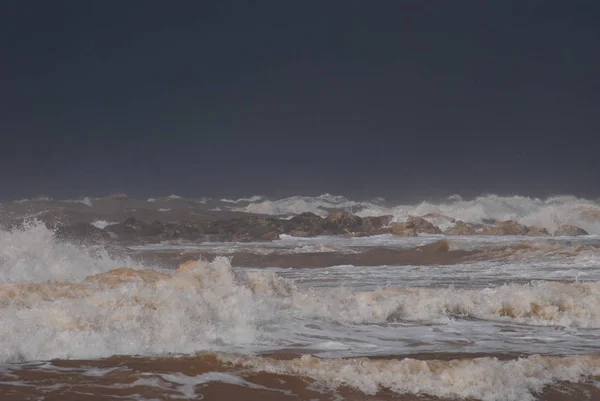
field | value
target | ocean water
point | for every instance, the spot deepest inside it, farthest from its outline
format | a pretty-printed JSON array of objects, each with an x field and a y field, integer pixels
[
  {"x": 521, "y": 321},
  {"x": 546, "y": 213}
]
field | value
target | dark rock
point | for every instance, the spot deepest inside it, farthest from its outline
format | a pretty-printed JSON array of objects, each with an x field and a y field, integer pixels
[
  {"x": 306, "y": 218},
  {"x": 137, "y": 230},
  {"x": 485, "y": 229},
  {"x": 406, "y": 229},
  {"x": 270, "y": 236},
  {"x": 184, "y": 230},
  {"x": 301, "y": 233},
  {"x": 210, "y": 227},
  {"x": 423, "y": 226},
  {"x": 82, "y": 232},
  {"x": 342, "y": 222},
  {"x": 413, "y": 226},
  {"x": 304, "y": 222},
  {"x": 372, "y": 224},
  {"x": 569, "y": 231},
  {"x": 511, "y": 227},
  {"x": 537, "y": 232}
]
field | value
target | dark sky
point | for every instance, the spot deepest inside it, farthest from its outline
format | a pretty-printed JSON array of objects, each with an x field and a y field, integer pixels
[{"x": 363, "y": 98}]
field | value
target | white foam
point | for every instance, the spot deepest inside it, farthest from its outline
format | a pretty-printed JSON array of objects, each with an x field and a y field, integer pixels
[
  {"x": 254, "y": 198},
  {"x": 540, "y": 303},
  {"x": 299, "y": 204},
  {"x": 32, "y": 254},
  {"x": 37, "y": 199},
  {"x": 215, "y": 307},
  {"x": 187, "y": 384},
  {"x": 208, "y": 306},
  {"x": 549, "y": 213},
  {"x": 486, "y": 379},
  {"x": 86, "y": 201},
  {"x": 545, "y": 213},
  {"x": 201, "y": 309},
  {"x": 102, "y": 224}
]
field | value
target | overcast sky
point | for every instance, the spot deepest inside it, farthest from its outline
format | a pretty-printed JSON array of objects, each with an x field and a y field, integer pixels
[{"x": 363, "y": 98}]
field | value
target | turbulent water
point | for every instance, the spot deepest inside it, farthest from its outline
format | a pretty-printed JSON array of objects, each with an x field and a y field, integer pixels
[
  {"x": 545, "y": 213},
  {"x": 517, "y": 320}
]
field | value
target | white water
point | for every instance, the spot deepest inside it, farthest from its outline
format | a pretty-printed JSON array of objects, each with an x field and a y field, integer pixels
[
  {"x": 32, "y": 255},
  {"x": 492, "y": 307},
  {"x": 547, "y": 213},
  {"x": 486, "y": 379},
  {"x": 298, "y": 204},
  {"x": 102, "y": 224}
]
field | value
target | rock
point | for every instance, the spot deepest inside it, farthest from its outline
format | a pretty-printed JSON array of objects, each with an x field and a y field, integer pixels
[
  {"x": 210, "y": 228},
  {"x": 137, "y": 230},
  {"x": 250, "y": 228},
  {"x": 376, "y": 222},
  {"x": 488, "y": 230},
  {"x": 511, "y": 227},
  {"x": 270, "y": 236},
  {"x": 300, "y": 233},
  {"x": 537, "y": 232},
  {"x": 306, "y": 217},
  {"x": 184, "y": 230},
  {"x": 82, "y": 232},
  {"x": 414, "y": 226},
  {"x": 341, "y": 222},
  {"x": 406, "y": 229},
  {"x": 569, "y": 231},
  {"x": 304, "y": 222},
  {"x": 423, "y": 226}
]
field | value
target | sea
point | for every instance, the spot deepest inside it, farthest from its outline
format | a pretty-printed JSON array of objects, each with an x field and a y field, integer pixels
[{"x": 516, "y": 319}]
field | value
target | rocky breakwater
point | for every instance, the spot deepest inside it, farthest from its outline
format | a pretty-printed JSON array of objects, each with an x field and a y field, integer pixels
[
  {"x": 510, "y": 227},
  {"x": 237, "y": 229},
  {"x": 257, "y": 228}
]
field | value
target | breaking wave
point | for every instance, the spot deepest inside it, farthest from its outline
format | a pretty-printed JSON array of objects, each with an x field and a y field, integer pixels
[
  {"x": 487, "y": 379},
  {"x": 547, "y": 213},
  {"x": 61, "y": 301},
  {"x": 31, "y": 253}
]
